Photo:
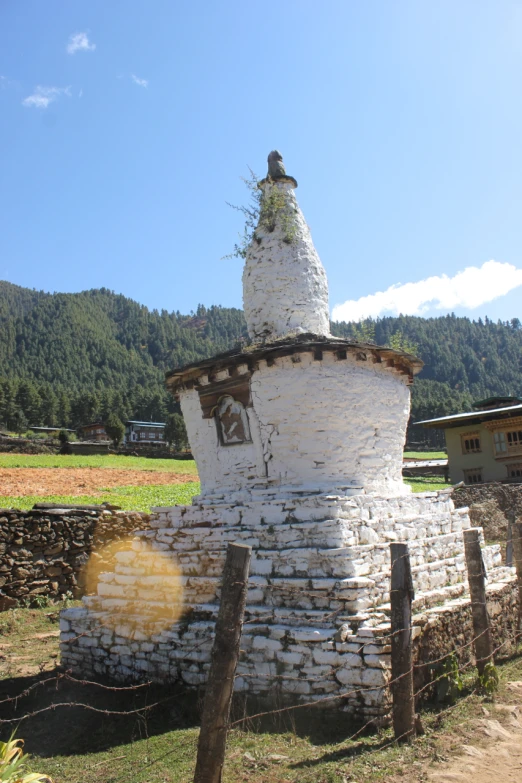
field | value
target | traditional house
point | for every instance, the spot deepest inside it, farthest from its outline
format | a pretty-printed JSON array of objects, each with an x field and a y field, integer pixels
[
  {"x": 91, "y": 432},
  {"x": 485, "y": 444},
  {"x": 151, "y": 433}
]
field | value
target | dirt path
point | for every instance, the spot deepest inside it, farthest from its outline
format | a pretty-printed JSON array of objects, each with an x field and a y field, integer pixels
[
  {"x": 492, "y": 748},
  {"x": 18, "y": 482}
]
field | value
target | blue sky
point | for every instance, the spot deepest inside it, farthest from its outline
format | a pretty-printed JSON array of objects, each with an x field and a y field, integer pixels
[{"x": 402, "y": 122}]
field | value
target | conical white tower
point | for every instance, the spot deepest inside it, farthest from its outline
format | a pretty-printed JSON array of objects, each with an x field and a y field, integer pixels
[{"x": 285, "y": 290}]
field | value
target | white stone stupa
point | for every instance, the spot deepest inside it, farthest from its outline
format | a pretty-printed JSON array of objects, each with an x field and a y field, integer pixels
[{"x": 298, "y": 439}]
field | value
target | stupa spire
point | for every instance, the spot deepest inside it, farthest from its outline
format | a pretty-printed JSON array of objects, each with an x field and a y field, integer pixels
[{"x": 285, "y": 290}]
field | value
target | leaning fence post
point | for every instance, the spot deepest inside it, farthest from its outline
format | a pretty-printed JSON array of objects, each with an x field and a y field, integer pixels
[
  {"x": 477, "y": 588},
  {"x": 225, "y": 653},
  {"x": 401, "y": 597},
  {"x": 517, "y": 557}
]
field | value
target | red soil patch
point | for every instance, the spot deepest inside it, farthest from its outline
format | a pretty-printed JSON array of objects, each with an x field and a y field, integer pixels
[{"x": 18, "y": 482}]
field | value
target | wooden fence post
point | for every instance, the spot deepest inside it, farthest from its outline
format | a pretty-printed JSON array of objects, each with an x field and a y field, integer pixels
[
  {"x": 225, "y": 653},
  {"x": 401, "y": 597},
  {"x": 517, "y": 552},
  {"x": 477, "y": 588},
  {"x": 509, "y": 541}
]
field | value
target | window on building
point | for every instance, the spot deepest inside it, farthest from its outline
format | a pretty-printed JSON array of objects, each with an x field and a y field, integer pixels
[
  {"x": 161, "y": 436},
  {"x": 470, "y": 443},
  {"x": 514, "y": 439},
  {"x": 499, "y": 439},
  {"x": 515, "y": 470},
  {"x": 143, "y": 435},
  {"x": 473, "y": 476},
  {"x": 152, "y": 435}
]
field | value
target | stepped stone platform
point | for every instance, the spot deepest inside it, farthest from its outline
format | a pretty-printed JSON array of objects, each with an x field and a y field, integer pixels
[{"x": 316, "y": 622}]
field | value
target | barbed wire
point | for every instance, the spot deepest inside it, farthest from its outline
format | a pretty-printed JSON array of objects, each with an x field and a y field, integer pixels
[{"x": 376, "y": 639}]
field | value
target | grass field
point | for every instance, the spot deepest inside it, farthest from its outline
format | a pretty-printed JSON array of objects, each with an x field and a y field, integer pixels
[
  {"x": 427, "y": 483},
  {"x": 76, "y": 745},
  {"x": 115, "y": 461},
  {"x": 76, "y": 469},
  {"x": 134, "y": 495},
  {"x": 127, "y": 498}
]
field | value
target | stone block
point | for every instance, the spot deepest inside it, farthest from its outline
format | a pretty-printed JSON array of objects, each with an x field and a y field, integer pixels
[{"x": 263, "y": 643}]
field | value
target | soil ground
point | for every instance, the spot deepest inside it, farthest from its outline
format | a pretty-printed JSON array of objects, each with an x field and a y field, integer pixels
[{"x": 18, "y": 482}]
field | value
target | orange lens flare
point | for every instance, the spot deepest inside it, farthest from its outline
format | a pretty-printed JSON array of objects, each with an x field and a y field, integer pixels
[{"x": 139, "y": 589}]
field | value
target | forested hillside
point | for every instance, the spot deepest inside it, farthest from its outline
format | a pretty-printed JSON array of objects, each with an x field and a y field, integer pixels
[{"x": 69, "y": 358}]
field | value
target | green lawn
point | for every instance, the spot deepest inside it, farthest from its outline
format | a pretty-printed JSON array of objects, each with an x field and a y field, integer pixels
[
  {"x": 426, "y": 483},
  {"x": 145, "y": 498},
  {"x": 425, "y": 455},
  {"x": 128, "y": 498},
  {"x": 186, "y": 466}
]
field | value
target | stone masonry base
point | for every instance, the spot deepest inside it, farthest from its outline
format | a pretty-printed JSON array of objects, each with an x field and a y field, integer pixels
[{"x": 317, "y": 619}]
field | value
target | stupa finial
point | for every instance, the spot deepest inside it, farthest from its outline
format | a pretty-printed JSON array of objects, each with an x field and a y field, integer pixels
[
  {"x": 285, "y": 290},
  {"x": 276, "y": 167}
]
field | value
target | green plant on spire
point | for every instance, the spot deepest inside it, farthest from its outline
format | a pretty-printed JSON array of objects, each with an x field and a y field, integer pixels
[{"x": 274, "y": 209}]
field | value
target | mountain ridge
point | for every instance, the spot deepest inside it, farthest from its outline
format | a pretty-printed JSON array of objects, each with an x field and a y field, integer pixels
[{"x": 80, "y": 355}]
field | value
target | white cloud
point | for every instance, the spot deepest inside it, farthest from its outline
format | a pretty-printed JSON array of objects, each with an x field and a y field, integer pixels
[
  {"x": 140, "y": 82},
  {"x": 471, "y": 288},
  {"x": 43, "y": 96},
  {"x": 79, "y": 42}
]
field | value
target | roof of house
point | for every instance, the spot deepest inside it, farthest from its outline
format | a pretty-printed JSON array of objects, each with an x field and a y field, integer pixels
[
  {"x": 496, "y": 402},
  {"x": 50, "y": 429},
  {"x": 147, "y": 423},
  {"x": 478, "y": 416}
]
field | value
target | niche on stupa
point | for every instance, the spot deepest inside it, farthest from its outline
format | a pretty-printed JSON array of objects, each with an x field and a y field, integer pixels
[{"x": 232, "y": 422}]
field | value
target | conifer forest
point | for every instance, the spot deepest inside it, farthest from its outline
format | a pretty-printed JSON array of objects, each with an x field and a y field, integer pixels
[{"x": 66, "y": 359}]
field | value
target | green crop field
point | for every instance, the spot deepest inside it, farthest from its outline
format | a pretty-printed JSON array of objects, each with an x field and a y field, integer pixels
[
  {"x": 116, "y": 461},
  {"x": 127, "y": 498},
  {"x": 427, "y": 483},
  {"x": 135, "y": 497}
]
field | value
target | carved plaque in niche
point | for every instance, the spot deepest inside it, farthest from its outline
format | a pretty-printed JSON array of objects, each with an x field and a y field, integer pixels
[
  {"x": 232, "y": 422},
  {"x": 210, "y": 396}
]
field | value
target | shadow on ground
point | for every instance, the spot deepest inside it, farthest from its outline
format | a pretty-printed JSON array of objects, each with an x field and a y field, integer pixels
[
  {"x": 62, "y": 716},
  {"x": 73, "y": 728}
]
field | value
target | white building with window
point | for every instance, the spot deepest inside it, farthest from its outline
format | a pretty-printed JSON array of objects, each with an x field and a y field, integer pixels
[
  {"x": 486, "y": 444},
  {"x": 145, "y": 433}
]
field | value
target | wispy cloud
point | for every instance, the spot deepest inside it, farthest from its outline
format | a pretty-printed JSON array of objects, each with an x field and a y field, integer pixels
[
  {"x": 79, "y": 42},
  {"x": 43, "y": 96},
  {"x": 138, "y": 81},
  {"x": 470, "y": 288}
]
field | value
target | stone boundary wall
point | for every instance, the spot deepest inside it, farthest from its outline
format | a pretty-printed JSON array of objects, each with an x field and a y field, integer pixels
[
  {"x": 449, "y": 629},
  {"x": 42, "y": 551},
  {"x": 508, "y": 497}
]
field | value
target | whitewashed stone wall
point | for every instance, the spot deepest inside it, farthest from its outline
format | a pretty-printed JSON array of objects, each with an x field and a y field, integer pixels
[
  {"x": 285, "y": 290},
  {"x": 316, "y": 622},
  {"x": 330, "y": 425}
]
